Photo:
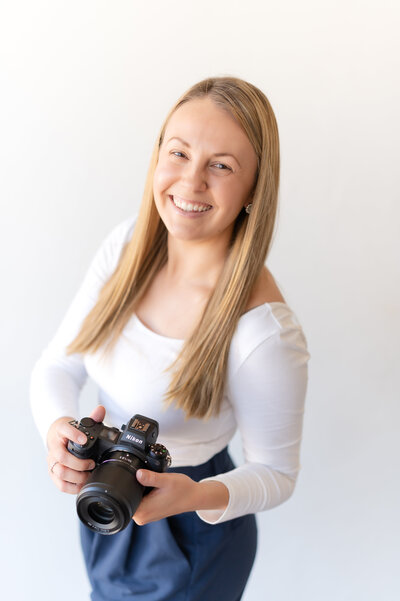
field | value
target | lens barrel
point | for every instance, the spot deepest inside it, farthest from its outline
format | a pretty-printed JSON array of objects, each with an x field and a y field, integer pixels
[{"x": 111, "y": 495}]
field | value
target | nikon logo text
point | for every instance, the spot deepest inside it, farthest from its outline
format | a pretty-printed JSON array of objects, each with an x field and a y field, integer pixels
[{"x": 132, "y": 438}]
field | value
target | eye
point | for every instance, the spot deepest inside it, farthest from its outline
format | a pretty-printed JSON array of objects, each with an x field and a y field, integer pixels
[
  {"x": 222, "y": 167},
  {"x": 178, "y": 154}
]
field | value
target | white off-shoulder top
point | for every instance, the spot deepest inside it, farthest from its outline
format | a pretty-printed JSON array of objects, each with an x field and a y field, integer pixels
[{"x": 264, "y": 396}]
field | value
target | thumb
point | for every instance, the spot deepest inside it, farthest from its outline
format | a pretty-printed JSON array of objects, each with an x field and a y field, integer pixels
[
  {"x": 98, "y": 414},
  {"x": 149, "y": 478}
]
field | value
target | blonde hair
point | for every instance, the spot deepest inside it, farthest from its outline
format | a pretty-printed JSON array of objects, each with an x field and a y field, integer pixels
[{"x": 198, "y": 374}]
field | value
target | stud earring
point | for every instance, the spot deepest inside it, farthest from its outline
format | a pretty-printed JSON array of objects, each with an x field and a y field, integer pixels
[{"x": 248, "y": 208}]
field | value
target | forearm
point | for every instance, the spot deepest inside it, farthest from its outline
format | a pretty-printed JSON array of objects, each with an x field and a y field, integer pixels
[{"x": 251, "y": 488}]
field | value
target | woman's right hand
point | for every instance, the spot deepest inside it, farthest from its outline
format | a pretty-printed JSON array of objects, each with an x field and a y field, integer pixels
[{"x": 69, "y": 473}]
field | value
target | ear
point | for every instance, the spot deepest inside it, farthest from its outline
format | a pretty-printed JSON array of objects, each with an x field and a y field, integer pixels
[{"x": 250, "y": 198}]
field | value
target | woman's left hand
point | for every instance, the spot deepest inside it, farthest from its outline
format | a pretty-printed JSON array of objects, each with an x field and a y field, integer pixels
[
  {"x": 172, "y": 493},
  {"x": 176, "y": 493}
]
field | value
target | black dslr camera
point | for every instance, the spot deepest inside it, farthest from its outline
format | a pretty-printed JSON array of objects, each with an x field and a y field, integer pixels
[{"x": 111, "y": 495}]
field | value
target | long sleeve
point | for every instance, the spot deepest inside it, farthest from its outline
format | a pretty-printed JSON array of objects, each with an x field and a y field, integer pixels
[
  {"x": 57, "y": 378},
  {"x": 267, "y": 393}
]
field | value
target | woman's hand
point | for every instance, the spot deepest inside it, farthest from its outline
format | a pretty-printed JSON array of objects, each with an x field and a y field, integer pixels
[
  {"x": 176, "y": 493},
  {"x": 68, "y": 472}
]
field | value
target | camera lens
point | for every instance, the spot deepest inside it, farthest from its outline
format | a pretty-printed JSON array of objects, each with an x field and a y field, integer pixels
[
  {"x": 111, "y": 495},
  {"x": 99, "y": 512}
]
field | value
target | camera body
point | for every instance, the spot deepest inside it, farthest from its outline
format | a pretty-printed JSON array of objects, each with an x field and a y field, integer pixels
[
  {"x": 138, "y": 437},
  {"x": 111, "y": 495}
]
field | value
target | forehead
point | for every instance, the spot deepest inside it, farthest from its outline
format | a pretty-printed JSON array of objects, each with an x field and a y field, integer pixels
[{"x": 202, "y": 122}]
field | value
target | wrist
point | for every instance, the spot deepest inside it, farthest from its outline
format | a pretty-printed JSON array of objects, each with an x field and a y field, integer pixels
[{"x": 211, "y": 495}]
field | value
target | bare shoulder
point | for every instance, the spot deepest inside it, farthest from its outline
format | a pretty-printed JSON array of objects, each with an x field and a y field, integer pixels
[{"x": 265, "y": 291}]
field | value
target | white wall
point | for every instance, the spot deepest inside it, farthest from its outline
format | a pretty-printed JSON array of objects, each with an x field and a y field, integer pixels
[{"x": 85, "y": 86}]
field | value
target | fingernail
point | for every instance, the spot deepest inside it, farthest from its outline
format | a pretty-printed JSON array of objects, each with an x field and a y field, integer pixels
[
  {"x": 139, "y": 473},
  {"x": 82, "y": 439},
  {"x": 92, "y": 465}
]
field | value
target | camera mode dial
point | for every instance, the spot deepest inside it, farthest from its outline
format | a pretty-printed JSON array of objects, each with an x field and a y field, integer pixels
[{"x": 160, "y": 453}]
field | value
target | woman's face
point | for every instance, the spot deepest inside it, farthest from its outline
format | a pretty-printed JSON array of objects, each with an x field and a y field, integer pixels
[{"x": 205, "y": 172}]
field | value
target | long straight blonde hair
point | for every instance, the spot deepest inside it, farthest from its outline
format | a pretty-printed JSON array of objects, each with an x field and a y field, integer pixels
[{"x": 199, "y": 372}]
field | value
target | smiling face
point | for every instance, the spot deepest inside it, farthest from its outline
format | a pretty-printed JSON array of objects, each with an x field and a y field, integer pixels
[{"x": 205, "y": 172}]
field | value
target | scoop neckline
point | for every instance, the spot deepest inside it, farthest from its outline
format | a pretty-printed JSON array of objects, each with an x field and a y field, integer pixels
[{"x": 151, "y": 332}]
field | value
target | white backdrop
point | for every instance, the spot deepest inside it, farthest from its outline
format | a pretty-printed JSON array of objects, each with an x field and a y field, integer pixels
[{"x": 84, "y": 87}]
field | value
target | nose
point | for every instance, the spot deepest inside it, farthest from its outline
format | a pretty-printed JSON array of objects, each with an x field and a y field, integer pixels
[{"x": 194, "y": 177}]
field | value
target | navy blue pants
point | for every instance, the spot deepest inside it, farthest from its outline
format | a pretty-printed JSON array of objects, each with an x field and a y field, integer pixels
[{"x": 180, "y": 558}]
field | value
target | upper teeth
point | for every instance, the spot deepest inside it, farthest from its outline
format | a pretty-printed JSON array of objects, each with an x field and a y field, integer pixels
[{"x": 189, "y": 206}]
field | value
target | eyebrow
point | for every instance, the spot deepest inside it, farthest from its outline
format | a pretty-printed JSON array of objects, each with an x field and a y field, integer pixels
[{"x": 216, "y": 154}]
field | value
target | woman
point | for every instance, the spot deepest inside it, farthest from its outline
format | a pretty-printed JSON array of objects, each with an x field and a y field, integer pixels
[{"x": 179, "y": 319}]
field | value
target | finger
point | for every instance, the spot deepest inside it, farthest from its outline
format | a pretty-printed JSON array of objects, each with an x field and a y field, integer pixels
[
  {"x": 152, "y": 508},
  {"x": 67, "y": 431},
  {"x": 60, "y": 454},
  {"x": 71, "y": 489},
  {"x": 66, "y": 474},
  {"x": 98, "y": 414}
]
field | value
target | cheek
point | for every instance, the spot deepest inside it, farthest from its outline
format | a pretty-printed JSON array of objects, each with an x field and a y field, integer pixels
[
  {"x": 231, "y": 195},
  {"x": 163, "y": 177}
]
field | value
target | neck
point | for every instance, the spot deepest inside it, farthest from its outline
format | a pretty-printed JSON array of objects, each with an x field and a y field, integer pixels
[{"x": 198, "y": 263}]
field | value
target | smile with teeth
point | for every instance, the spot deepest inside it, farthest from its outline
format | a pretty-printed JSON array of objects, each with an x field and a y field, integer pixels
[{"x": 190, "y": 206}]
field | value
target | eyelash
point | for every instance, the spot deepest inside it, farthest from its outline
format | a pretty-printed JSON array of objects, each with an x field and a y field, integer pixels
[{"x": 176, "y": 152}]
